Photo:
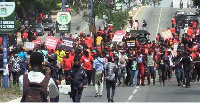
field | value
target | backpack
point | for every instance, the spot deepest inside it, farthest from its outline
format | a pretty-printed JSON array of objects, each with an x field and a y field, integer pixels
[
  {"x": 35, "y": 92},
  {"x": 122, "y": 59}
]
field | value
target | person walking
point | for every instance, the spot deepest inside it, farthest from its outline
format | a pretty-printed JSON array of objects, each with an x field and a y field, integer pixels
[
  {"x": 98, "y": 66},
  {"x": 122, "y": 66},
  {"x": 133, "y": 71},
  {"x": 15, "y": 63},
  {"x": 150, "y": 67},
  {"x": 186, "y": 61},
  {"x": 37, "y": 75},
  {"x": 110, "y": 78},
  {"x": 78, "y": 78},
  {"x": 141, "y": 66},
  {"x": 23, "y": 55},
  {"x": 67, "y": 64},
  {"x": 144, "y": 25},
  {"x": 87, "y": 62}
]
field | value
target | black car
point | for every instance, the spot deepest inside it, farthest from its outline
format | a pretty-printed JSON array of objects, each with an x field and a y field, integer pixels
[
  {"x": 141, "y": 36},
  {"x": 190, "y": 18},
  {"x": 180, "y": 20},
  {"x": 39, "y": 28},
  {"x": 48, "y": 24}
]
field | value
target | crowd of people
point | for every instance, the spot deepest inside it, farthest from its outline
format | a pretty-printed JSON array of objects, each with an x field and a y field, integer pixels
[{"x": 98, "y": 60}]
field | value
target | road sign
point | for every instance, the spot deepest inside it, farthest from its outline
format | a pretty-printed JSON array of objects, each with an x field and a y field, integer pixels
[
  {"x": 7, "y": 17},
  {"x": 63, "y": 22}
]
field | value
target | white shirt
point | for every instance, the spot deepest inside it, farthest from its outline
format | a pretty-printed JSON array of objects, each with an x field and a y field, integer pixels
[{"x": 38, "y": 78}]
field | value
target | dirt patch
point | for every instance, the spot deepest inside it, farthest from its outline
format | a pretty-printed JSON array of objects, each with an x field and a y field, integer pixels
[{"x": 7, "y": 96}]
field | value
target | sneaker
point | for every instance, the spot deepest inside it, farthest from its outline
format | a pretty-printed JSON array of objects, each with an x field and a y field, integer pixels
[
  {"x": 131, "y": 85},
  {"x": 183, "y": 85},
  {"x": 96, "y": 94},
  {"x": 100, "y": 95},
  {"x": 137, "y": 87}
]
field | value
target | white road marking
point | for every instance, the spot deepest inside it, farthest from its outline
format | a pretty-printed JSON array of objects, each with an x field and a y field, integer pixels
[
  {"x": 134, "y": 91},
  {"x": 159, "y": 21},
  {"x": 137, "y": 12},
  {"x": 130, "y": 97}
]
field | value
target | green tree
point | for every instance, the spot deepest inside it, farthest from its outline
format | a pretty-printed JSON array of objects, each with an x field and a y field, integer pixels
[{"x": 196, "y": 2}]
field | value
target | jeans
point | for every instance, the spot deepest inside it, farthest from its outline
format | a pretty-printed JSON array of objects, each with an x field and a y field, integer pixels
[
  {"x": 15, "y": 76},
  {"x": 169, "y": 72},
  {"x": 66, "y": 75},
  {"x": 110, "y": 84},
  {"x": 24, "y": 67},
  {"x": 151, "y": 72},
  {"x": 187, "y": 72},
  {"x": 121, "y": 73},
  {"x": 134, "y": 74},
  {"x": 180, "y": 75},
  {"x": 89, "y": 76}
]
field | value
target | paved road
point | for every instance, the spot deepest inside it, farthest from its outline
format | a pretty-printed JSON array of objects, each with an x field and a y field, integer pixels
[{"x": 157, "y": 19}]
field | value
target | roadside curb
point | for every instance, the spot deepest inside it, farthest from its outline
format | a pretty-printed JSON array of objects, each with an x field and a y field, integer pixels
[{"x": 63, "y": 89}]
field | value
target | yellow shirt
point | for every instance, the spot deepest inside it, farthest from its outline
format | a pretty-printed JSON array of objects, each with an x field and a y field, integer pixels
[
  {"x": 60, "y": 55},
  {"x": 98, "y": 40}
]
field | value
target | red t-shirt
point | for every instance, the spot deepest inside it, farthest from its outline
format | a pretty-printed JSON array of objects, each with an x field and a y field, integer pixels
[
  {"x": 25, "y": 35},
  {"x": 67, "y": 63},
  {"x": 71, "y": 57},
  {"x": 87, "y": 62}
]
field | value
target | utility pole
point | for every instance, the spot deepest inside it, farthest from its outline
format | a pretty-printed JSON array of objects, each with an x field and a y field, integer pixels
[
  {"x": 63, "y": 10},
  {"x": 5, "y": 58},
  {"x": 91, "y": 12}
]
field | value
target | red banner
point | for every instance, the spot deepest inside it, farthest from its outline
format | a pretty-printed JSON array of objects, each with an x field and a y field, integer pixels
[
  {"x": 51, "y": 42},
  {"x": 37, "y": 41}
]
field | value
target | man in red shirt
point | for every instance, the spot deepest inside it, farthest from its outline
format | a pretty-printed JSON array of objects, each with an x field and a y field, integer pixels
[
  {"x": 25, "y": 36},
  {"x": 140, "y": 63},
  {"x": 173, "y": 22},
  {"x": 87, "y": 62},
  {"x": 67, "y": 64}
]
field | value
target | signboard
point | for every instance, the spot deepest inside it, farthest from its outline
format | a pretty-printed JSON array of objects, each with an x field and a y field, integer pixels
[
  {"x": 63, "y": 22},
  {"x": 166, "y": 34},
  {"x": 7, "y": 17},
  {"x": 37, "y": 41},
  {"x": 67, "y": 44},
  {"x": 29, "y": 46},
  {"x": 118, "y": 36},
  {"x": 175, "y": 46},
  {"x": 131, "y": 42},
  {"x": 51, "y": 42},
  {"x": 118, "y": 6}
]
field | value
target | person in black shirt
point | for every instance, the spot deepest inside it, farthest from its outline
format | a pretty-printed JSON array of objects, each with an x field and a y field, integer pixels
[
  {"x": 197, "y": 66},
  {"x": 186, "y": 61},
  {"x": 179, "y": 72}
]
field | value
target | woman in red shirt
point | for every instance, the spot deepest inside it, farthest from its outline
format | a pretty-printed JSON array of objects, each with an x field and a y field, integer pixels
[{"x": 87, "y": 62}]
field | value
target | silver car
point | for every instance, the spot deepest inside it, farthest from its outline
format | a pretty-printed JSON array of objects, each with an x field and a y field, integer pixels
[{"x": 39, "y": 28}]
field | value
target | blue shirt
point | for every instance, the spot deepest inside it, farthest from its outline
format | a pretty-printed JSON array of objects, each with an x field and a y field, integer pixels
[
  {"x": 22, "y": 55},
  {"x": 99, "y": 63}
]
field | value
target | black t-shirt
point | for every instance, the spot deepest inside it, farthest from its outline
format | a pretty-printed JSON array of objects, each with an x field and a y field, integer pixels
[
  {"x": 197, "y": 64},
  {"x": 186, "y": 60}
]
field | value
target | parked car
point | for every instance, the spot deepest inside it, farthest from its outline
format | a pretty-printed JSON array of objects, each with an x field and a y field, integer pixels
[
  {"x": 48, "y": 24},
  {"x": 39, "y": 28},
  {"x": 178, "y": 12},
  {"x": 190, "y": 18}
]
